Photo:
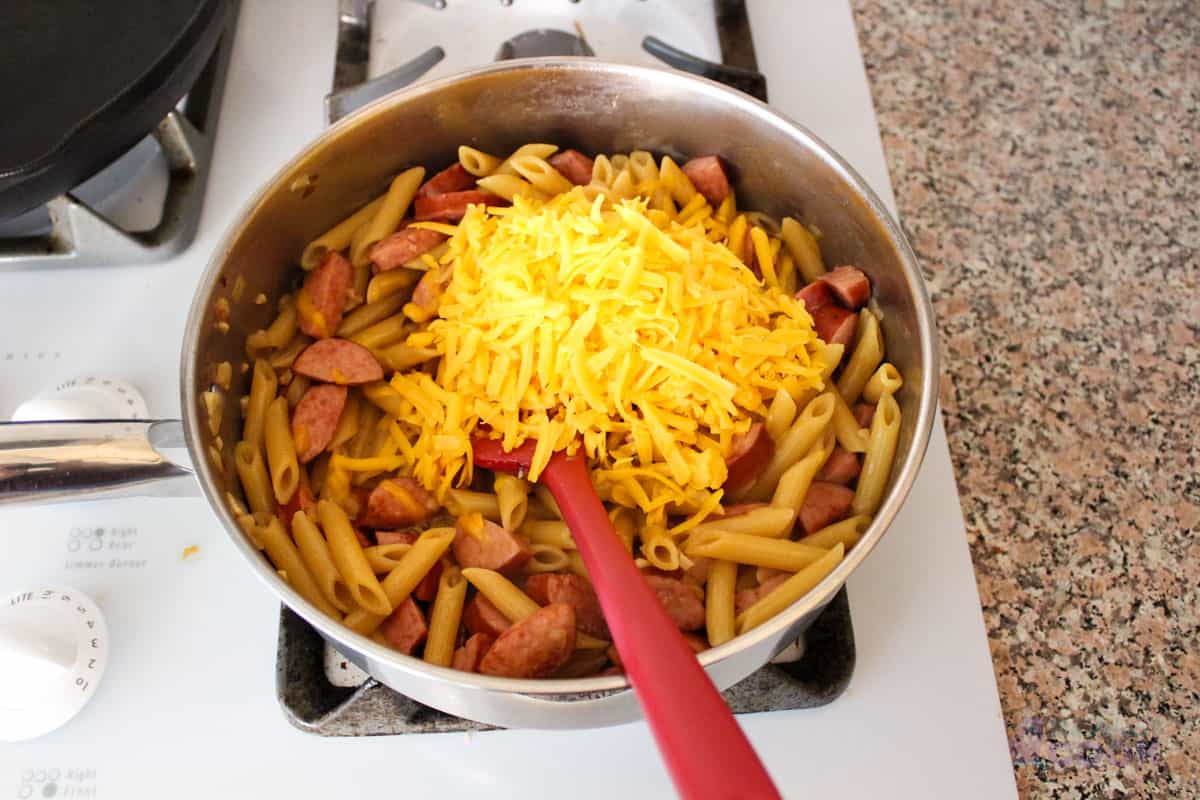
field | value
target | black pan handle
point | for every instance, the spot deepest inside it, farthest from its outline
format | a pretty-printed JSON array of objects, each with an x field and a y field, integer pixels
[{"x": 751, "y": 82}]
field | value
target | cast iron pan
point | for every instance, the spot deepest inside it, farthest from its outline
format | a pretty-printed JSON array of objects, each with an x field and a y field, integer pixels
[{"x": 82, "y": 81}]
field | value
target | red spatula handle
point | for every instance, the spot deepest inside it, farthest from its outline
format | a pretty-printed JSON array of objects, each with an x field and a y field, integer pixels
[{"x": 704, "y": 748}]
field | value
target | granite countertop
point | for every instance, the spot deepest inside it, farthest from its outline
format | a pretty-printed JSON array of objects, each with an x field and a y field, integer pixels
[{"x": 1045, "y": 163}]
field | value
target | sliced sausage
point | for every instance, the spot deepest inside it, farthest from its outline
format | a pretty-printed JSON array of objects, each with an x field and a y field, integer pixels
[
  {"x": 452, "y": 206},
  {"x": 405, "y": 629},
  {"x": 302, "y": 500},
  {"x": 338, "y": 361},
  {"x": 534, "y": 647},
  {"x": 815, "y": 295},
  {"x": 427, "y": 589},
  {"x": 397, "y": 502},
  {"x": 682, "y": 605},
  {"x": 468, "y": 656},
  {"x": 842, "y": 467},
  {"x": 316, "y": 418},
  {"x": 849, "y": 285},
  {"x": 363, "y": 539},
  {"x": 481, "y": 616},
  {"x": 453, "y": 178},
  {"x": 582, "y": 663},
  {"x": 576, "y": 592},
  {"x": 835, "y": 325},
  {"x": 864, "y": 413},
  {"x": 750, "y": 453},
  {"x": 403, "y": 246},
  {"x": 750, "y": 255},
  {"x": 324, "y": 296},
  {"x": 748, "y": 597},
  {"x": 396, "y": 537},
  {"x": 479, "y": 542},
  {"x": 824, "y": 504},
  {"x": 707, "y": 174},
  {"x": 574, "y": 166},
  {"x": 698, "y": 643},
  {"x": 698, "y": 572}
]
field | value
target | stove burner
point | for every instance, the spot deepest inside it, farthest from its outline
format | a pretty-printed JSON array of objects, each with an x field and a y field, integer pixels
[
  {"x": 544, "y": 42},
  {"x": 145, "y": 205}
]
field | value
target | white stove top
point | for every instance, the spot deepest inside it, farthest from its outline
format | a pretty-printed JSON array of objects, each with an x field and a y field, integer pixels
[{"x": 187, "y": 707}]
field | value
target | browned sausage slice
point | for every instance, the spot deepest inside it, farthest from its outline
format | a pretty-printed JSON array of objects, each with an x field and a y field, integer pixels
[
  {"x": 316, "y": 418},
  {"x": 864, "y": 413},
  {"x": 426, "y": 590},
  {"x": 403, "y": 246},
  {"x": 576, "y": 592},
  {"x": 815, "y": 295},
  {"x": 748, "y": 597},
  {"x": 842, "y": 467},
  {"x": 481, "y": 616},
  {"x": 835, "y": 325},
  {"x": 396, "y": 537},
  {"x": 748, "y": 457},
  {"x": 574, "y": 166},
  {"x": 302, "y": 500},
  {"x": 824, "y": 504},
  {"x": 534, "y": 647},
  {"x": 682, "y": 605},
  {"x": 338, "y": 361},
  {"x": 468, "y": 656},
  {"x": 482, "y": 543},
  {"x": 849, "y": 285},
  {"x": 453, "y": 178},
  {"x": 452, "y": 206},
  {"x": 707, "y": 174},
  {"x": 319, "y": 306},
  {"x": 397, "y": 502},
  {"x": 405, "y": 627}
]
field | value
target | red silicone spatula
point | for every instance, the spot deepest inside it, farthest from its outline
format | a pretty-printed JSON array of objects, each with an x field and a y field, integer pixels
[{"x": 705, "y": 750}]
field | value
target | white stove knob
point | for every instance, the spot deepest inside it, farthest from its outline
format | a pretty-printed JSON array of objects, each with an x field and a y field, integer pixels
[
  {"x": 84, "y": 398},
  {"x": 53, "y": 649}
]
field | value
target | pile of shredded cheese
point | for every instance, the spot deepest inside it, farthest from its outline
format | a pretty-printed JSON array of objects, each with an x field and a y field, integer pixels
[{"x": 580, "y": 321}]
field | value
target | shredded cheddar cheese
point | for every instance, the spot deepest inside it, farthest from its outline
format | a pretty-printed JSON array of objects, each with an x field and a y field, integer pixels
[{"x": 582, "y": 321}]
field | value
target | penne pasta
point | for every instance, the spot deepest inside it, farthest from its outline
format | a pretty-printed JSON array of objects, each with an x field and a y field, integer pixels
[
  {"x": 350, "y": 560},
  {"x": 477, "y": 162},
  {"x": 314, "y": 551},
  {"x": 281, "y": 331},
  {"x": 538, "y": 150},
  {"x": 514, "y": 604},
  {"x": 793, "y": 484},
  {"x": 394, "y": 282},
  {"x": 758, "y": 551},
  {"x": 512, "y": 498},
  {"x": 845, "y": 426},
  {"x": 885, "y": 380},
  {"x": 510, "y": 187},
  {"x": 263, "y": 384},
  {"x": 546, "y": 558},
  {"x": 339, "y": 236},
  {"x": 268, "y": 530},
  {"x": 401, "y": 581},
  {"x": 347, "y": 425},
  {"x": 387, "y": 217},
  {"x": 766, "y": 521},
  {"x": 805, "y": 431},
  {"x": 384, "y": 558},
  {"x": 373, "y": 312},
  {"x": 386, "y": 331},
  {"x": 540, "y": 174},
  {"x": 252, "y": 472},
  {"x": 803, "y": 248},
  {"x": 718, "y": 602},
  {"x": 660, "y": 549},
  {"x": 790, "y": 590},
  {"x": 445, "y": 617},
  {"x": 674, "y": 181},
  {"x": 867, "y": 353},
  {"x": 780, "y": 415},
  {"x": 847, "y": 532},
  {"x": 881, "y": 451},
  {"x": 464, "y": 501},
  {"x": 602, "y": 172},
  {"x": 281, "y": 451},
  {"x": 762, "y": 255},
  {"x": 547, "y": 499},
  {"x": 575, "y": 564},
  {"x": 551, "y": 532}
]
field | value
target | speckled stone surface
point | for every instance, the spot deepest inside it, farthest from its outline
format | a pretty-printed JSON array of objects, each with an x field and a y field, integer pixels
[{"x": 1044, "y": 157}]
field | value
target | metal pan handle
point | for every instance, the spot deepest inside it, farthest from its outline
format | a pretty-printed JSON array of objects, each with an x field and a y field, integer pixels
[{"x": 45, "y": 462}]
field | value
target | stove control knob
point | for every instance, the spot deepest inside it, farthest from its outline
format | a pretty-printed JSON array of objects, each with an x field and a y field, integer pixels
[
  {"x": 84, "y": 398},
  {"x": 53, "y": 649}
]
